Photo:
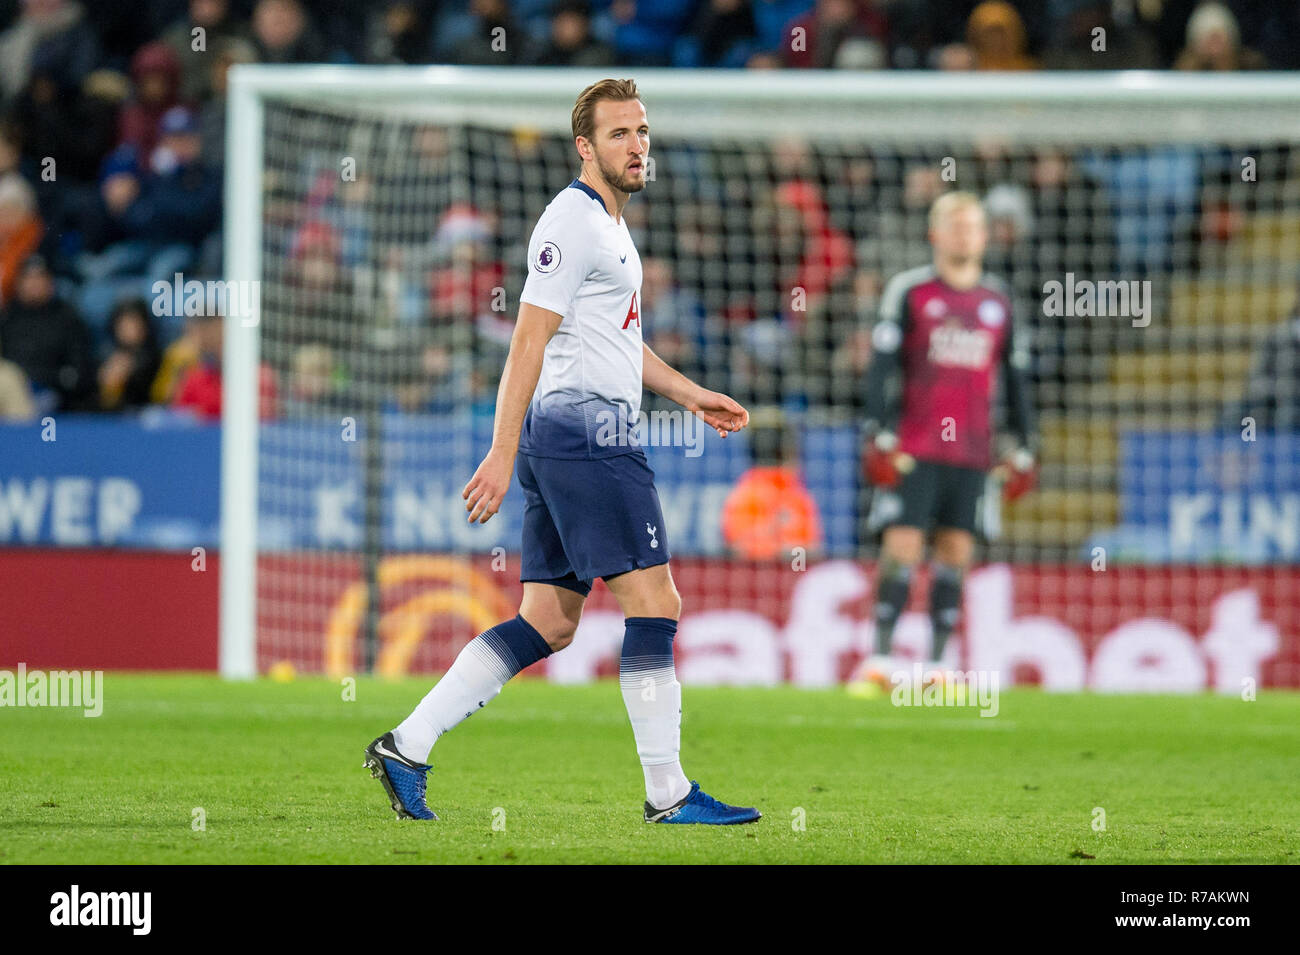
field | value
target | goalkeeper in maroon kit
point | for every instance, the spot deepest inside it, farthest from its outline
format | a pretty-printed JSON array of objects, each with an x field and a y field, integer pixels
[{"x": 944, "y": 334}]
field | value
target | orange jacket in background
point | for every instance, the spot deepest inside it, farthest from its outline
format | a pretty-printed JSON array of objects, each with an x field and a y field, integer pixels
[
  {"x": 770, "y": 512},
  {"x": 25, "y": 240}
]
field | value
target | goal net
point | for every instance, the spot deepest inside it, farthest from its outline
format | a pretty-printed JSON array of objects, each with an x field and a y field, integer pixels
[{"x": 1148, "y": 226}]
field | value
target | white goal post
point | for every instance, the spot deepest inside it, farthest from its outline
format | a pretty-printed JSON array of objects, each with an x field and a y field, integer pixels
[{"x": 843, "y": 109}]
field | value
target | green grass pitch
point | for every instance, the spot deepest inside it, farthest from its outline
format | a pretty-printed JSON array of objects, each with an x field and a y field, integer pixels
[{"x": 548, "y": 773}]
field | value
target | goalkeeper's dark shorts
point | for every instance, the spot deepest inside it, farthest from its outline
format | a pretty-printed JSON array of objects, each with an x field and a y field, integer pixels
[{"x": 931, "y": 496}]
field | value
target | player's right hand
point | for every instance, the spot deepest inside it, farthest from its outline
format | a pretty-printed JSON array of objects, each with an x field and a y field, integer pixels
[
  {"x": 883, "y": 464},
  {"x": 487, "y": 488}
]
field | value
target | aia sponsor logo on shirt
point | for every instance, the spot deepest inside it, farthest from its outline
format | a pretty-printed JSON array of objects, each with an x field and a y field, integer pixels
[
  {"x": 955, "y": 347},
  {"x": 633, "y": 314}
]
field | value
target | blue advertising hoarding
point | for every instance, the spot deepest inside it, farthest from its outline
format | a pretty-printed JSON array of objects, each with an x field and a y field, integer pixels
[
  {"x": 153, "y": 482},
  {"x": 1199, "y": 496}
]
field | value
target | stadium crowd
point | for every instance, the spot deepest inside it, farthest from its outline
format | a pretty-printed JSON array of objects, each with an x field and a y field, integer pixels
[{"x": 112, "y": 145}]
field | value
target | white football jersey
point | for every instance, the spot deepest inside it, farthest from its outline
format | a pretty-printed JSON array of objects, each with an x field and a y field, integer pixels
[{"x": 584, "y": 266}]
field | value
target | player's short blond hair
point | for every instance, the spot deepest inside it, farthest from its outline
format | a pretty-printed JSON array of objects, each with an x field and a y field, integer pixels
[
  {"x": 584, "y": 111},
  {"x": 951, "y": 202}
]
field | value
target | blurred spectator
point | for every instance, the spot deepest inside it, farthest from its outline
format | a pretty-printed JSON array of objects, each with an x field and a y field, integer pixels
[
  {"x": 1010, "y": 216},
  {"x": 724, "y": 34},
  {"x": 826, "y": 254},
  {"x": 283, "y": 33},
  {"x": 217, "y": 25},
  {"x": 919, "y": 29},
  {"x": 177, "y": 359},
  {"x": 428, "y": 381},
  {"x": 162, "y": 216},
  {"x": 1128, "y": 44},
  {"x": 200, "y": 389},
  {"x": 53, "y": 34},
  {"x": 673, "y": 320},
  {"x": 773, "y": 20},
  {"x": 838, "y": 33},
  {"x": 156, "y": 79},
  {"x": 181, "y": 198},
  {"x": 11, "y": 148},
  {"x": 644, "y": 31},
  {"x": 1273, "y": 29},
  {"x": 770, "y": 511},
  {"x": 1013, "y": 243},
  {"x": 314, "y": 281},
  {"x": 65, "y": 134},
  {"x": 463, "y": 285},
  {"x": 16, "y": 402},
  {"x": 126, "y": 376},
  {"x": 1153, "y": 202},
  {"x": 485, "y": 35},
  {"x": 45, "y": 337},
  {"x": 1272, "y": 393},
  {"x": 122, "y": 28},
  {"x": 1214, "y": 43},
  {"x": 665, "y": 305},
  {"x": 399, "y": 33},
  {"x": 570, "y": 42},
  {"x": 955, "y": 58},
  {"x": 851, "y": 356},
  {"x": 21, "y": 230},
  {"x": 996, "y": 33},
  {"x": 1071, "y": 215},
  {"x": 314, "y": 383},
  {"x": 341, "y": 26},
  {"x": 764, "y": 60},
  {"x": 65, "y": 124},
  {"x": 212, "y": 115}
]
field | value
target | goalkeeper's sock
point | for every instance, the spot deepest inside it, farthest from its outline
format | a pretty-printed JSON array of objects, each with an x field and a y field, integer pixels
[
  {"x": 945, "y": 606},
  {"x": 480, "y": 671},
  {"x": 653, "y": 698},
  {"x": 893, "y": 585}
]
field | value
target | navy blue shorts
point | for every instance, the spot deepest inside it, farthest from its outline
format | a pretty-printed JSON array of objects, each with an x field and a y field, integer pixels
[{"x": 585, "y": 519}]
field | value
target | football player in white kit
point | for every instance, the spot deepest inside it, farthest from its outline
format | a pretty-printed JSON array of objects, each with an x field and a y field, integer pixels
[{"x": 566, "y": 413}]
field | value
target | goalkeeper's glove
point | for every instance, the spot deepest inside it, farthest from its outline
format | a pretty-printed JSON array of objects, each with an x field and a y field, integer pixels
[
  {"x": 1018, "y": 473},
  {"x": 883, "y": 464}
]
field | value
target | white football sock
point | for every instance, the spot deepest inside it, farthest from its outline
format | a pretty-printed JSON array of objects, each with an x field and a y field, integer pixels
[
  {"x": 653, "y": 698},
  {"x": 480, "y": 671}
]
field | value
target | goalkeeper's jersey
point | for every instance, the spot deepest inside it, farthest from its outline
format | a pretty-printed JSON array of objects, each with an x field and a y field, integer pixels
[
  {"x": 948, "y": 345},
  {"x": 583, "y": 265}
]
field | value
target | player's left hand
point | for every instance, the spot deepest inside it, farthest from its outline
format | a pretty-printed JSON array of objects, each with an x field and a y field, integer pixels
[
  {"x": 720, "y": 412},
  {"x": 1018, "y": 473}
]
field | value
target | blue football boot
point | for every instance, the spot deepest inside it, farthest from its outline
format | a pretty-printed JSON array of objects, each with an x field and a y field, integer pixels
[
  {"x": 698, "y": 806},
  {"x": 403, "y": 779}
]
